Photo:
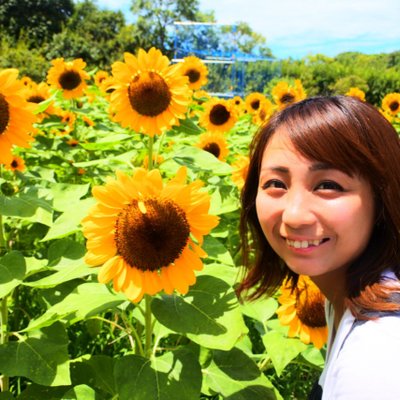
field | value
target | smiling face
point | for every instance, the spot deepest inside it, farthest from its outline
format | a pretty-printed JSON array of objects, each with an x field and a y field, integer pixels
[{"x": 316, "y": 218}]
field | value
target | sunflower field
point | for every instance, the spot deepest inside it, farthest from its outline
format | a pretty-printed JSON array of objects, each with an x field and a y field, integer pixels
[{"x": 119, "y": 237}]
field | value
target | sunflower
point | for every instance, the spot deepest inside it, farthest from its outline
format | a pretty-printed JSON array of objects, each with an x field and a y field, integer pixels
[
  {"x": 16, "y": 164},
  {"x": 303, "y": 310},
  {"x": 263, "y": 113},
  {"x": 148, "y": 234},
  {"x": 195, "y": 70},
  {"x": 215, "y": 143},
  {"x": 285, "y": 94},
  {"x": 69, "y": 77},
  {"x": 357, "y": 93},
  {"x": 240, "y": 168},
  {"x": 391, "y": 103},
  {"x": 150, "y": 95},
  {"x": 16, "y": 115},
  {"x": 219, "y": 115},
  {"x": 253, "y": 102},
  {"x": 37, "y": 93},
  {"x": 100, "y": 76}
]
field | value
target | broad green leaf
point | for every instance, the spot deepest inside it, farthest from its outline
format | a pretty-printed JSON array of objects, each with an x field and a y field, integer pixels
[
  {"x": 209, "y": 314},
  {"x": 217, "y": 251},
  {"x": 96, "y": 371},
  {"x": 39, "y": 392},
  {"x": 188, "y": 127},
  {"x": 72, "y": 270},
  {"x": 221, "y": 205},
  {"x": 65, "y": 249},
  {"x": 201, "y": 160},
  {"x": 234, "y": 375},
  {"x": 69, "y": 222},
  {"x": 41, "y": 357},
  {"x": 12, "y": 272},
  {"x": 80, "y": 392},
  {"x": 173, "y": 376},
  {"x": 86, "y": 300},
  {"x": 106, "y": 143},
  {"x": 227, "y": 273},
  {"x": 28, "y": 206},
  {"x": 314, "y": 356},
  {"x": 261, "y": 310},
  {"x": 65, "y": 195},
  {"x": 120, "y": 159},
  {"x": 281, "y": 350}
]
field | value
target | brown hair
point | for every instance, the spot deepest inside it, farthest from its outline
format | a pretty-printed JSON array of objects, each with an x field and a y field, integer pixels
[{"x": 353, "y": 137}]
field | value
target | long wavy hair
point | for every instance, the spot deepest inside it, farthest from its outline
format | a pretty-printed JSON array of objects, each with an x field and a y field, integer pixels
[{"x": 355, "y": 138}]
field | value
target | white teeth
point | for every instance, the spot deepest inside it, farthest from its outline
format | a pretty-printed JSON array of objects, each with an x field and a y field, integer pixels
[{"x": 303, "y": 244}]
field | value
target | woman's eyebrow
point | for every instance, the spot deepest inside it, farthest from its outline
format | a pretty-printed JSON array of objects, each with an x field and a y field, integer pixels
[{"x": 320, "y": 166}]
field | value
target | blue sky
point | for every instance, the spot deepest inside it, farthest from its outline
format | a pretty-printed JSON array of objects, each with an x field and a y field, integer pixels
[{"x": 297, "y": 28}]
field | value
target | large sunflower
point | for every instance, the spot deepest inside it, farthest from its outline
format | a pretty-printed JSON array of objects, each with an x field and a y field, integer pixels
[
  {"x": 391, "y": 103},
  {"x": 195, "y": 70},
  {"x": 150, "y": 94},
  {"x": 285, "y": 94},
  {"x": 69, "y": 77},
  {"x": 303, "y": 310},
  {"x": 147, "y": 234},
  {"x": 253, "y": 102},
  {"x": 215, "y": 143},
  {"x": 219, "y": 115},
  {"x": 16, "y": 115}
]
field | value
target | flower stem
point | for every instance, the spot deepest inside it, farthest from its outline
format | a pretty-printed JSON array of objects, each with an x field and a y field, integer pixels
[
  {"x": 148, "y": 326},
  {"x": 150, "y": 153},
  {"x": 4, "y": 382}
]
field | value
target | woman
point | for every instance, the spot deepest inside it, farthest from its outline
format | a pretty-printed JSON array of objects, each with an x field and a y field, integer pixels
[{"x": 322, "y": 199}]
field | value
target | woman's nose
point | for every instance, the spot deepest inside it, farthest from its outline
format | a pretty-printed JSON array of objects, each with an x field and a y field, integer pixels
[{"x": 297, "y": 209}]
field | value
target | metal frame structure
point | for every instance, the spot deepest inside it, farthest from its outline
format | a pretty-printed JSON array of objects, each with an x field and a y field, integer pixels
[{"x": 232, "y": 56}]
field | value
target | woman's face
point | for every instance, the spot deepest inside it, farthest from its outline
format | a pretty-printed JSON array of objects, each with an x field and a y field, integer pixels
[{"x": 316, "y": 218}]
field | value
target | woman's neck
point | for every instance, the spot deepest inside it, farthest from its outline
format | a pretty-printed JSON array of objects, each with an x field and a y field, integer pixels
[{"x": 333, "y": 286}]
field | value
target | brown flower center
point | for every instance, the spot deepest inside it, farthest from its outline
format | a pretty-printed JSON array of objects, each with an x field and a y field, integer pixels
[
  {"x": 4, "y": 114},
  {"x": 14, "y": 164},
  {"x": 70, "y": 80},
  {"x": 193, "y": 75},
  {"x": 287, "y": 98},
  {"x": 149, "y": 94},
  {"x": 219, "y": 115},
  {"x": 151, "y": 234},
  {"x": 35, "y": 99},
  {"x": 255, "y": 104},
  {"x": 394, "y": 105},
  {"x": 212, "y": 148},
  {"x": 310, "y": 308}
]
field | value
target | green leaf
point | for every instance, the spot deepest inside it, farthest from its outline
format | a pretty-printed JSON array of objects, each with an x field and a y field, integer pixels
[
  {"x": 234, "y": 375},
  {"x": 120, "y": 159},
  {"x": 97, "y": 371},
  {"x": 209, "y": 314},
  {"x": 173, "y": 376},
  {"x": 314, "y": 356},
  {"x": 261, "y": 310},
  {"x": 223, "y": 205},
  {"x": 6, "y": 396},
  {"x": 217, "y": 251},
  {"x": 65, "y": 248},
  {"x": 281, "y": 350},
  {"x": 69, "y": 271},
  {"x": 27, "y": 206},
  {"x": 201, "y": 160},
  {"x": 86, "y": 300},
  {"x": 188, "y": 127},
  {"x": 107, "y": 143},
  {"x": 12, "y": 272},
  {"x": 65, "y": 195},
  {"x": 69, "y": 222},
  {"x": 80, "y": 392},
  {"x": 41, "y": 357},
  {"x": 36, "y": 392}
]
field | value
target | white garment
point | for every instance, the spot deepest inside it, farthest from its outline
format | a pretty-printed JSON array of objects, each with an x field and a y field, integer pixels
[{"x": 365, "y": 364}]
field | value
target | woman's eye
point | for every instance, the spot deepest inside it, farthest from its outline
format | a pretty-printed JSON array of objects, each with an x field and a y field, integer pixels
[
  {"x": 274, "y": 183},
  {"x": 329, "y": 185}
]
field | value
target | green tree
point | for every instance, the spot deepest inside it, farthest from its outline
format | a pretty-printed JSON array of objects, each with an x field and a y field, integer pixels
[
  {"x": 35, "y": 20},
  {"x": 154, "y": 19}
]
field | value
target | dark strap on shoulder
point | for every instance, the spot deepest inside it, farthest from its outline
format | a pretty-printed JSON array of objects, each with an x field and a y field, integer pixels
[{"x": 316, "y": 392}]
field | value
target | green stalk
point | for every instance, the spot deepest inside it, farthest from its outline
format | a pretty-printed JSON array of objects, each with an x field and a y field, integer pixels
[
  {"x": 148, "y": 345},
  {"x": 4, "y": 381},
  {"x": 150, "y": 152}
]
